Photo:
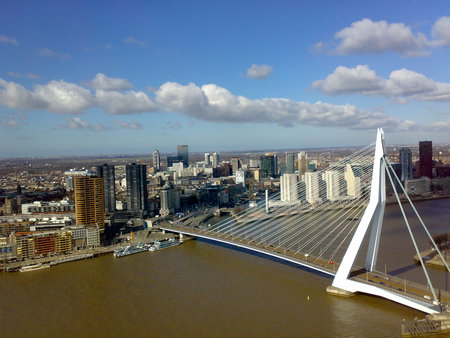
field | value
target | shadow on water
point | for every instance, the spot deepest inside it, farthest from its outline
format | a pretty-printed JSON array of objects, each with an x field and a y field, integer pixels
[
  {"x": 403, "y": 269},
  {"x": 264, "y": 256}
]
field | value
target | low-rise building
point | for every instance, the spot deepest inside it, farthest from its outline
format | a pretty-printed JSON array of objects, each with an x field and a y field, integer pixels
[{"x": 418, "y": 186}]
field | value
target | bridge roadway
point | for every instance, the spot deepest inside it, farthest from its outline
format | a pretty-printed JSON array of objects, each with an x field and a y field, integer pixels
[{"x": 401, "y": 287}]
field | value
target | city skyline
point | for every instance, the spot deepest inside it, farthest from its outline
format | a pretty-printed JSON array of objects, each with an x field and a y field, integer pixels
[{"x": 220, "y": 76}]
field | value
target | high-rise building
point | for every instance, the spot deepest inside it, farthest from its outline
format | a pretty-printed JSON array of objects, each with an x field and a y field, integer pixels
[
  {"x": 426, "y": 159},
  {"x": 290, "y": 163},
  {"x": 331, "y": 178},
  {"x": 215, "y": 160},
  {"x": 352, "y": 176},
  {"x": 183, "y": 154},
  {"x": 89, "y": 201},
  {"x": 156, "y": 160},
  {"x": 312, "y": 182},
  {"x": 235, "y": 164},
  {"x": 207, "y": 158},
  {"x": 107, "y": 172},
  {"x": 137, "y": 194},
  {"x": 268, "y": 165},
  {"x": 289, "y": 187},
  {"x": 302, "y": 163},
  {"x": 406, "y": 164}
]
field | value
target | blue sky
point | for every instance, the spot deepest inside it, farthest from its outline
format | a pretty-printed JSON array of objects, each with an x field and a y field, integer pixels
[{"x": 109, "y": 77}]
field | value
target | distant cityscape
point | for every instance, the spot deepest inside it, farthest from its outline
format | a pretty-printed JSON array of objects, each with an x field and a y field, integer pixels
[{"x": 62, "y": 206}]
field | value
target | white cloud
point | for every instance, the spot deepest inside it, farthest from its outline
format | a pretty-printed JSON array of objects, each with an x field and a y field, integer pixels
[
  {"x": 402, "y": 84},
  {"x": 48, "y": 53},
  {"x": 441, "y": 31},
  {"x": 129, "y": 125},
  {"x": 78, "y": 123},
  {"x": 208, "y": 102},
  {"x": 348, "y": 80},
  {"x": 129, "y": 102},
  {"x": 6, "y": 39},
  {"x": 133, "y": 41},
  {"x": 15, "y": 96},
  {"x": 64, "y": 97},
  {"x": 259, "y": 71},
  {"x": 367, "y": 36},
  {"x": 213, "y": 103},
  {"x": 102, "y": 82}
]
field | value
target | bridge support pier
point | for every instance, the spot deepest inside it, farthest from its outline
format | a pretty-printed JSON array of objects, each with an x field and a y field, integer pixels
[{"x": 335, "y": 291}]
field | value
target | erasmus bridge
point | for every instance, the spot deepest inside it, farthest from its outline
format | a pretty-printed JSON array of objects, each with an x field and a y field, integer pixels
[{"x": 330, "y": 222}]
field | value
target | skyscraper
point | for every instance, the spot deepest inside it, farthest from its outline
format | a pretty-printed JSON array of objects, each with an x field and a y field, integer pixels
[
  {"x": 137, "y": 195},
  {"x": 331, "y": 178},
  {"x": 235, "y": 164},
  {"x": 290, "y": 163},
  {"x": 215, "y": 160},
  {"x": 89, "y": 201},
  {"x": 183, "y": 154},
  {"x": 268, "y": 166},
  {"x": 156, "y": 160},
  {"x": 426, "y": 159},
  {"x": 352, "y": 176},
  {"x": 107, "y": 172},
  {"x": 312, "y": 182},
  {"x": 406, "y": 164},
  {"x": 289, "y": 187},
  {"x": 207, "y": 158},
  {"x": 302, "y": 163}
]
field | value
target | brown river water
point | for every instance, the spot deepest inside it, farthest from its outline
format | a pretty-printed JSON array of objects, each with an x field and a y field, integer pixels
[{"x": 201, "y": 289}]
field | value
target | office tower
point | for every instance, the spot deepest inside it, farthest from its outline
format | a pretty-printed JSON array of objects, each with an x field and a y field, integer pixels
[
  {"x": 312, "y": 183},
  {"x": 89, "y": 201},
  {"x": 290, "y": 163},
  {"x": 107, "y": 172},
  {"x": 268, "y": 166},
  {"x": 352, "y": 175},
  {"x": 215, "y": 160},
  {"x": 406, "y": 164},
  {"x": 156, "y": 160},
  {"x": 207, "y": 158},
  {"x": 183, "y": 154},
  {"x": 426, "y": 159},
  {"x": 235, "y": 164},
  {"x": 302, "y": 163},
  {"x": 289, "y": 187},
  {"x": 137, "y": 195},
  {"x": 331, "y": 178}
]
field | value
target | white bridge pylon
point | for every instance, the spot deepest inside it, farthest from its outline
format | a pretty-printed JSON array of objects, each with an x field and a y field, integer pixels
[{"x": 372, "y": 219}]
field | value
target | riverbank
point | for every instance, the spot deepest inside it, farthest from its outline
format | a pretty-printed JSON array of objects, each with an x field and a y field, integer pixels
[
  {"x": 432, "y": 259},
  {"x": 144, "y": 237}
]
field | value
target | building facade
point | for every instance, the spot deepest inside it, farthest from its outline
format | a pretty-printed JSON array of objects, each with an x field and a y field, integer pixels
[
  {"x": 107, "y": 172},
  {"x": 426, "y": 159},
  {"x": 406, "y": 164},
  {"x": 137, "y": 194},
  {"x": 89, "y": 201},
  {"x": 156, "y": 159}
]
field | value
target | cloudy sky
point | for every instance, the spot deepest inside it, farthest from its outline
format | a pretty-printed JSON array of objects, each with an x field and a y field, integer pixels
[{"x": 110, "y": 77}]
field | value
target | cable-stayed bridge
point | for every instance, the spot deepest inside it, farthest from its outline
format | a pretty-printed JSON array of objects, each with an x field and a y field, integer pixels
[{"x": 321, "y": 220}]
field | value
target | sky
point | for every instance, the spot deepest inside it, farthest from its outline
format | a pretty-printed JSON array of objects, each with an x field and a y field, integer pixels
[{"x": 115, "y": 77}]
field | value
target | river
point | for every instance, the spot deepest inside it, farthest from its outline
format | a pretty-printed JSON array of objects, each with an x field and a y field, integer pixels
[{"x": 201, "y": 289}]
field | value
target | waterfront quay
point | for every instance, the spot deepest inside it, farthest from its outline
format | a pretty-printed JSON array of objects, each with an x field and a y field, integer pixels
[{"x": 143, "y": 237}]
